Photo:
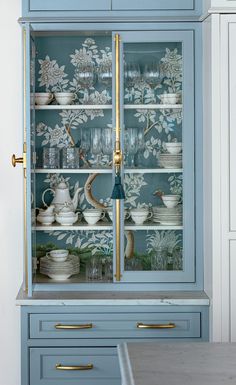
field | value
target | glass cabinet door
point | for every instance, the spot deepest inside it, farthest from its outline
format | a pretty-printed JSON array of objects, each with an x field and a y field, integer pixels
[{"x": 157, "y": 136}]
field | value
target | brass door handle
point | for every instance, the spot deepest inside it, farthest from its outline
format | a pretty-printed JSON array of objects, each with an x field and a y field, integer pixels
[
  {"x": 76, "y": 367},
  {"x": 141, "y": 325},
  {"x": 15, "y": 160},
  {"x": 74, "y": 327}
]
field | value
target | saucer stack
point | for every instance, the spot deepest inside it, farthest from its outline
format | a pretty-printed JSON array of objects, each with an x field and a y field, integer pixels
[
  {"x": 170, "y": 160},
  {"x": 60, "y": 271},
  {"x": 168, "y": 217}
]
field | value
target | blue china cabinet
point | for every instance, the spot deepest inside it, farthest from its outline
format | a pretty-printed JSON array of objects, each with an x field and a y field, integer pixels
[{"x": 112, "y": 99}]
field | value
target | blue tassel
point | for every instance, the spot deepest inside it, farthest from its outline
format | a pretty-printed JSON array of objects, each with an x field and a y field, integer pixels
[{"x": 118, "y": 190}]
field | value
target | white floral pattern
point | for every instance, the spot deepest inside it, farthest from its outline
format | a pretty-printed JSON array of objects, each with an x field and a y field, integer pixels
[{"x": 52, "y": 76}]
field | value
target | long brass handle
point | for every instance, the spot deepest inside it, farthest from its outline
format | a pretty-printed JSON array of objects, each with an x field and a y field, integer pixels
[
  {"x": 74, "y": 327},
  {"x": 15, "y": 160},
  {"x": 74, "y": 367},
  {"x": 141, "y": 325}
]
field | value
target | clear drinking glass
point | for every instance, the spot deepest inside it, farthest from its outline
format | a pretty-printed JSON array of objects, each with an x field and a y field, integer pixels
[
  {"x": 94, "y": 269},
  {"x": 159, "y": 259},
  {"x": 51, "y": 157},
  {"x": 178, "y": 259},
  {"x": 107, "y": 143},
  {"x": 85, "y": 141},
  {"x": 108, "y": 270},
  {"x": 151, "y": 74},
  {"x": 132, "y": 74},
  {"x": 96, "y": 144},
  {"x": 86, "y": 74},
  {"x": 105, "y": 73},
  {"x": 70, "y": 157},
  {"x": 140, "y": 146},
  {"x": 132, "y": 144}
]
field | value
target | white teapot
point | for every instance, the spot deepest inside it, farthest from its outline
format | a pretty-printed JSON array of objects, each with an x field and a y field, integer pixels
[{"x": 62, "y": 197}]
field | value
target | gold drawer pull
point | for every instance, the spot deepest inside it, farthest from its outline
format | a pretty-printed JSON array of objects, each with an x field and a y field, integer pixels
[
  {"x": 74, "y": 327},
  {"x": 77, "y": 367},
  {"x": 140, "y": 325}
]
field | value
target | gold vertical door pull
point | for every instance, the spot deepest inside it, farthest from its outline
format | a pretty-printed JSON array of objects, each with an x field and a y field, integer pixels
[{"x": 117, "y": 152}]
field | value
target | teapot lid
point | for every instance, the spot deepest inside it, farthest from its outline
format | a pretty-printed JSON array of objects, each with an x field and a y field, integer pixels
[{"x": 62, "y": 185}]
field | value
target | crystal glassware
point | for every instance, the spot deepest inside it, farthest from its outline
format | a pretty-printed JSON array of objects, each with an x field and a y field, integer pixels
[
  {"x": 105, "y": 73},
  {"x": 132, "y": 74},
  {"x": 70, "y": 157},
  {"x": 151, "y": 74},
  {"x": 94, "y": 269},
  {"x": 159, "y": 259},
  {"x": 178, "y": 259},
  {"x": 85, "y": 142},
  {"x": 51, "y": 157},
  {"x": 96, "y": 144},
  {"x": 132, "y": 144},
  {"x": 107, "y": 143},
  {"x": 86, "y": 74},
  {"x": 140, "y": 146},
  {"x": 108, "y": 270}
]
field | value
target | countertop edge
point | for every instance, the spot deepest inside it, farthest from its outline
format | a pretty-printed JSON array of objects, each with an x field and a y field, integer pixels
[{"x": 125, "y": 365}]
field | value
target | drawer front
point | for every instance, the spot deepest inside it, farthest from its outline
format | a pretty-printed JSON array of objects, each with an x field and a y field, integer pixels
[
  {"x": 116, "y": 325},
  {"x": 73, "y": 366},
  {"x": 151, "y": 5},
  {"x": 69, "y": 5}
]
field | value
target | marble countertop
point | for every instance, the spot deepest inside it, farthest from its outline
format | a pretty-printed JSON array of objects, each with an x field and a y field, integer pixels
[
  {"x": 197, "y": 298},
  {"x": 179, "y": 363}
]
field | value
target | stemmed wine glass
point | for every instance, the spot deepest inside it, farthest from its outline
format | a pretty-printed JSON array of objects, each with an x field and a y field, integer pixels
[
  {"x": 86, "y": 74},
  {"x": 107, "y": 142},
  {"x": 132, "y": 143},
  {"x": 132, "y": 74},
  {"x": 151, "y": 74},
  {"x": 96, "y": 144},
  {"x": 105, "y": 73}
]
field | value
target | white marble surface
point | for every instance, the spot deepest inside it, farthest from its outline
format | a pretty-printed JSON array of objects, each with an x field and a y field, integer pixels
[
  {"x": 177, "y": 363},
  {"x": 113, "y": 298}
]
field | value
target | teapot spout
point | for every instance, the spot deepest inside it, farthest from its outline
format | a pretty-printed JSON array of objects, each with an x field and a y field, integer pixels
[{"x": 75, "y": 199}]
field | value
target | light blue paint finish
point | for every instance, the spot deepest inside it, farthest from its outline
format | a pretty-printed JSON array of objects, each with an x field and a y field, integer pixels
[
  {"x": 25, "y": 363},
  {"x": 29, "y": 175},
  {"x": 43, "y": 363},
  {"x": 119, "y": 325},
  {"x": 69, "y": 5},
  {"x": 107, "y": 9},
  {"x": 164, "y": 5}
]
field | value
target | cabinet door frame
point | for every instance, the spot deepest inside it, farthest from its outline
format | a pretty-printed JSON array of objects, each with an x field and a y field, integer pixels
[
  {"x": 195, "y": 28},
  {"x": 188, "y": 132}
]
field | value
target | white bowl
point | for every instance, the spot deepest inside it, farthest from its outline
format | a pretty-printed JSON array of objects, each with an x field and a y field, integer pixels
[
  {"x": 59, "y": 277},
  {"x": 92, "y": 220},
  {"x": 171, "y": 201},
  {"x": 43, "y": 98},
  {"x": 169, "y": 98},
  {"x": 59, "y": 255},
  {"x": 66, "y": 220},
  {"x": 64, "y": 98},
  {"x": 174, "y": 148}
]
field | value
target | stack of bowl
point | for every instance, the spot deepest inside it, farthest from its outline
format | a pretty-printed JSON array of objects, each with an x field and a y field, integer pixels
[
  {"x": 173, "y": 157},
  {"x": 59, "y": 265}
]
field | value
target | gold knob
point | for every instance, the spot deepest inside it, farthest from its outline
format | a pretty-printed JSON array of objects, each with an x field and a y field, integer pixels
[
  {"x": 15, "y": 160},
  {"x": 76, "y": 367}
]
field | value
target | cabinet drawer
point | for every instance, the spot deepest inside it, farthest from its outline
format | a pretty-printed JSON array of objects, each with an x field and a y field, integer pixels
[
  {"x": 154, "y": 5},
  {"x": 116, "y": 325},
  {"x": 73, "y": 366},
  {"x": 69, "y": 5}
]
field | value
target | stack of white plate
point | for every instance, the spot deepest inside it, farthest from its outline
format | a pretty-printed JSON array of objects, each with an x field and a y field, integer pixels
[
  {"x": 168, "y": 217},
  {"x": 170, "y": 160},
  {"x": 60, "y": 271}
]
